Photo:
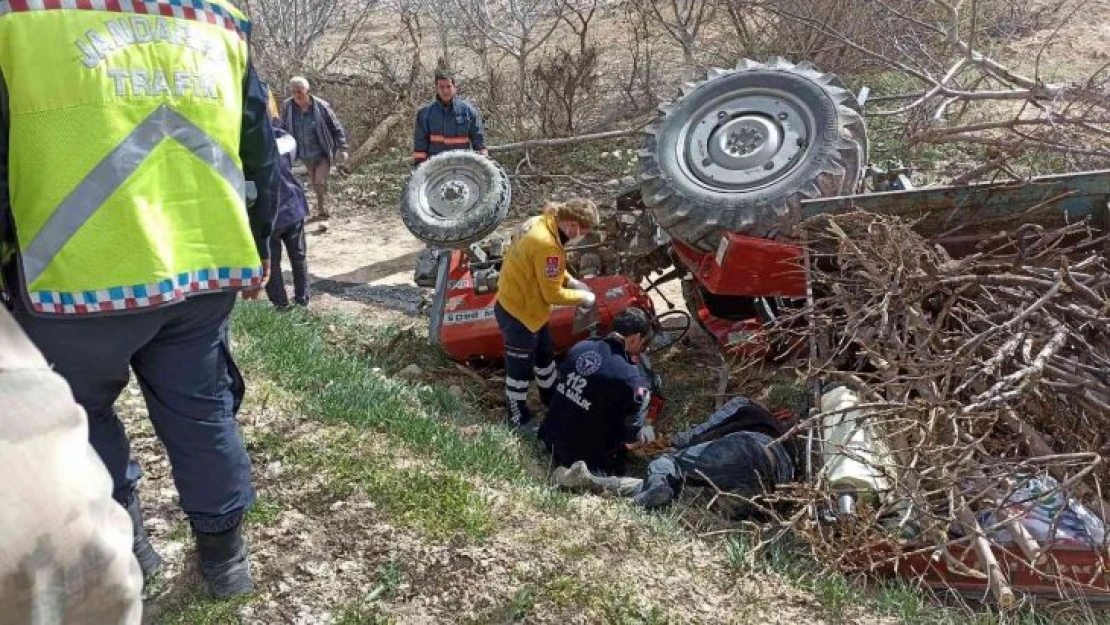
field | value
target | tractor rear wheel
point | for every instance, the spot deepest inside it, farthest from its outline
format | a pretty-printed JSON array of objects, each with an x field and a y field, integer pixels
[{"x": 739, "y": 151}]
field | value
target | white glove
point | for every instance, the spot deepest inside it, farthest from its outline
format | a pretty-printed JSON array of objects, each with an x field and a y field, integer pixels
[
  {"x": 588, "y": 300},
  {"x": 576, "y": 284},
  {"x": 646, "y": 435}
]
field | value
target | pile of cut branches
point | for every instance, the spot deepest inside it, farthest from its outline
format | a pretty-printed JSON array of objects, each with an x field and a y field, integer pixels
[{"x": 979, "y": 376}]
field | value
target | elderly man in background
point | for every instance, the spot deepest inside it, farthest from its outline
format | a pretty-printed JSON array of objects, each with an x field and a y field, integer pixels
[{"x": 321, "y": 139}]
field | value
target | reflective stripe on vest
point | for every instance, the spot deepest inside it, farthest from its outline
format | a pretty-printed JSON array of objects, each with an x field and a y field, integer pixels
[
  {"x": 126, "y": 187},
  {"x": 113, "y": 171},
  {"x": 195, "y": 10},
  {"x": 449, "y": 140}
]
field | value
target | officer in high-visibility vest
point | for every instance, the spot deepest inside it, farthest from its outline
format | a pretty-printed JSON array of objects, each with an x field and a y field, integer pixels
[{"x": 129, "y": 132}]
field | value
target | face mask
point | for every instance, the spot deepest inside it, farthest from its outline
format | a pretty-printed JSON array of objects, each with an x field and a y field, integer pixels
[{"x": 575, "y": 240}]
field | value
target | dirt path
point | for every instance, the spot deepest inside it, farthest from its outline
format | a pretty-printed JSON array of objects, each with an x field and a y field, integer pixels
[{"x": 361, "y": 262}]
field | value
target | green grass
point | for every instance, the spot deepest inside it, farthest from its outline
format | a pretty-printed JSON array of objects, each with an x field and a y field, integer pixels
[
  {"x": 902, "y": 602},
  {"x": 438, "y": 504},
  {"x": 326, "y": 365},
  {"x": 265, "y": 511},
  {"x": 360, "y": 613},
  {"x": 521, "y": 605},
  {"x": 842, "y": 598},
  {"x": 613, "y": 604},
  {"x": 390, "y": 576},
  {"x": 572, "y": 595},
  {"x": 515, "y": 609},
  {"x": 198, "y": 610},
  {"x": 549, "y": 500},
  {"x": 180, "y": 531},
  {"x": 368, "y": 610},
  {"x": 304, "y": 355}
]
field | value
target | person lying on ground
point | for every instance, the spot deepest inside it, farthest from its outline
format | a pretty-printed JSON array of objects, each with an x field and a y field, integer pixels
[
  {"x": 601, "y": 398},
  {"x": 736, "y": 450}
]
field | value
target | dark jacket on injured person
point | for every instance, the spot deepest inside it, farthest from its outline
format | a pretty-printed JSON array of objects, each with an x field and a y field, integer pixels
[
  {"x": 599, "y": 404},
  {"x": 738, "y": 450}
]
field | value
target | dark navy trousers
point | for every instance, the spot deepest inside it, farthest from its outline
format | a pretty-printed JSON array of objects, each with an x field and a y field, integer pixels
[
  {"x": 182, "y": 359},
  {"x": 527, "y": 355}
]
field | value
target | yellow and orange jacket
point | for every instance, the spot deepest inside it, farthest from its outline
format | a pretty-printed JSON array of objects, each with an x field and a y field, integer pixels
[{"x": 533, "y": 274}]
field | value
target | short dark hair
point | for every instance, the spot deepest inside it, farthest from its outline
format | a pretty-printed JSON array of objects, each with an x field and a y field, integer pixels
[
  {"x": 631, "y": 321},
  {"x": 442, "y": 74}
]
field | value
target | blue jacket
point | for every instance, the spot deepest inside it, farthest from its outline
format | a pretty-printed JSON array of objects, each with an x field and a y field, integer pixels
[
  {"x": 442, "y": 127},
  {"x": 292, "y": 203},
  {"x": 600, "y": 402}
]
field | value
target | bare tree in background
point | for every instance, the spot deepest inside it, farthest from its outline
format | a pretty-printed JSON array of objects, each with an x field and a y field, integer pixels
[
  {"x": 441, "y": 14},
  {"x": 759, "y": 33},
  {"x": 290, "y": 33},
  {"x": 518, "y": 28},
  {"x": 578, "y": 15},
  {"x": 684, "y": 21},
  {"x": 963, "y": 94},
  {"x": 639, "y": 85},
  {"x": 568, "y": 75}
]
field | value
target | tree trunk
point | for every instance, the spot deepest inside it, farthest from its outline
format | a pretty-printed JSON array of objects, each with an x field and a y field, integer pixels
[
  {"x": 444, "y": 44},
  {"x": 380, "y": 132},
  {"x": 532, "y": 144},
  {"x": 690, "y": 60},
  {"x": 522, "y": 93}
]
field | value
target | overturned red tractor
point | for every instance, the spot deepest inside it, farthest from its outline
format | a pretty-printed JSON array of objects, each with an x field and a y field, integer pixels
[{"x": 726, "y": 171}]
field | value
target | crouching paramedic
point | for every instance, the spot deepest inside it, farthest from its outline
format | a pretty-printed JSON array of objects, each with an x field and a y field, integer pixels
[
  {"x": 601, "y": 398},
  {"x": 127, "y": 137},
  {"x": 534, "y": 279}
]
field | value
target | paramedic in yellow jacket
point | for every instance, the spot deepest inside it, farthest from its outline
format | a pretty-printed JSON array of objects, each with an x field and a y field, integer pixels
[{"x": 534, "y": 280}]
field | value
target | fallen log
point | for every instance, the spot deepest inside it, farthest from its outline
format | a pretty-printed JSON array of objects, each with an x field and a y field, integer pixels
[
  {"x": 531, "y": 144},
  {"x": 380, "y": 132}
]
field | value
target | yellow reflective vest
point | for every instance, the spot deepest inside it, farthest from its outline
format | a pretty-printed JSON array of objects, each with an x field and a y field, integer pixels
[
  {"x": 125, "y": 182},
  {"x": 533, "y": 274}
]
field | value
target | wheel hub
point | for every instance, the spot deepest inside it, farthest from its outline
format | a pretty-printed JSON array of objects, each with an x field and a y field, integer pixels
[
  {"x": 745, "y": 141},
  {"x": 452, "y": 194}
]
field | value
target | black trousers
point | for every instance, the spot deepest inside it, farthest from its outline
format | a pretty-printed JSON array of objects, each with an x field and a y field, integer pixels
[
  {"x": 293, "y": 239},
  {"x": 181, "y": 357}
]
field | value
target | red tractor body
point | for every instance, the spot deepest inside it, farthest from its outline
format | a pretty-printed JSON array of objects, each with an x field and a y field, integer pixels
[
  {"x": 467, "y": 329},
  {"x": 747, "y": 267},
  {"x": 728, "y": 290}
]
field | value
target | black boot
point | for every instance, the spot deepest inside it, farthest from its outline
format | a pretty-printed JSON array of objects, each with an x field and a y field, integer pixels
[
  {"x": 224, "y": 563},
  {"x": 656, "y": 492},
  {"x": 149, "y": 560}
]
